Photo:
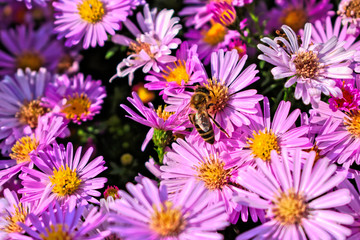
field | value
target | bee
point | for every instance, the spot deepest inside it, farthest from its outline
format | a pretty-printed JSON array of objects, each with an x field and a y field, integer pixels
[{"x": 201, "y": 103}]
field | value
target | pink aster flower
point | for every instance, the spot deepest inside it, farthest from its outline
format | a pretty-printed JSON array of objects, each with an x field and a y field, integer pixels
[
  {"x": 215, "y": 168},
  {"x": 66, "y": 223},
  {"x": 153, "y": 42},
  {"x": 149, "y": 214},
  {"x": 186, "y": 71},
  {"x": 76, "y": 98},
  {"x": 159, "y": 120},
  {"x": 48, "y": 129},
  {"x": 263, "y": 135},
  {"x": 311, "y": 66},
  {"x": 63, "y": 176},
  {"x": 20, "y": 105},
  {"x": 89, "y": 20},
  {"x": 350, "y": 99},
  {"x": 298, "y": 202},
  {"x": 348, "y": 11},
  {"x": 295, "y": 13},
  {"x": 29, "y": 48}
]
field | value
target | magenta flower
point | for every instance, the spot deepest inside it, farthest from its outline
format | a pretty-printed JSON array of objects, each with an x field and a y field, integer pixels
[
  {"x": 149, "y": 214},
  {"x": 30, "y": 3},
  {"x": 76, "y": 98},
  {"x": 298, "y": 202},
  {"x": 350, "y": 99},
  {"x": 263, "y": 135},
  {"x": 153, "y": 43},
  {"x": 89, "y": 20},
  {"x": 311, "y": 66},
  {"x": 67, "y": 224},
  {"x": 63, "y": 176},
  {"x": 29, "y": 48}
]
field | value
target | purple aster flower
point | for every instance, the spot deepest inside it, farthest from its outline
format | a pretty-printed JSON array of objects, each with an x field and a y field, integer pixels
[
  {"x": 20, "y": 105},
  {"x": 295, "y": 14},
  {"x": 176, "y": 76},
  {"x": 153, "y": 42},
  {"x": 311, "y": 66},
  {"x": 350, "y": 99},
  {"x": 148, "y": 213},
  {"x": 48, "y": 129},
  {"x": 298, "y": 202},
  {"x": 215, "y": 168},
  {"x": 66, "y": 223},
  {"x": 63, "y": 176},
  {"x": 349, "y": 12},
  {"x": 263, "y": 135},
  {"x": 89, "y": 20},
  {"x": 161, "y": 122},
  {"x": 230, "y": 106},
  {"x": 30, "y": 3},
  {"x": 76, "y": 98},
  {"x": 29, "y": 48}
]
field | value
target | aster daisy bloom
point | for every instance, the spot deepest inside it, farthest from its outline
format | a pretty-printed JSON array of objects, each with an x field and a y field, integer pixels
[
  {"x": 311, "y": 66},
  {"x": 153, "y": 43},
  {"x": 76, "y": 98},
  {"x": 48, "y": 129},
  {"x": 20, "y": 105},
  {"x": 350, "y": 99},
  {"x": 163, "y": 124},
  {"x": 28, "y": 48},
  {"x": 186, "y": 71},
  {"x": 349, "y": 12},
  {"x": 298, "y": 202},
  {"x": 148, "y": 213},
  {"x": 29, "y": 3},
  {"x": 215, "y": 168},
  {"x": 263, "y": 135},
  {"x": 63, "y": 176},
  {"x": 60, "y": 223},
  {"x": 295, "y": 14}
]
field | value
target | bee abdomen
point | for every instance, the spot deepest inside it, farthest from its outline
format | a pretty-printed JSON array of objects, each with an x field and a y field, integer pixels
[{"x": 207, "y": 136}]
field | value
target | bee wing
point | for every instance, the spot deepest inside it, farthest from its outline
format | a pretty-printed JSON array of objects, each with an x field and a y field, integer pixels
[{"x": 203, "y": 121}]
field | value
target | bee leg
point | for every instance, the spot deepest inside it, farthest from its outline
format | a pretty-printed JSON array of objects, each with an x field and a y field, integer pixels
[
  {"x": 191, "y": 118},
  {"x": 218, "y": 126}
]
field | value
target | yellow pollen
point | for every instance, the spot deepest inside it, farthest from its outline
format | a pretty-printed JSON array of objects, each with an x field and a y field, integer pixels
[
  {"x": 307, "y": 64},
  {"x": 29, "y": 113},
  {"x": 220, "y": 1},
  {"x": 219, "y": 96},
  {"x": 145, "y": 95},
  {"x": 29, "y": 59},
  {"x": 163, "y": 114},
  {"x": 12, "y": 219},
  {"x": 76, "y": 106},
  {"x": 168, "y": 221},
  {"x": 178, "y": 74},
  {"x": 353, "y": 9},
  {"x": 213, "y": 173},
  {"x": 137, "y": 46},
  {"x": 57, "y": 232},
  {"x": 91, "y": 11},
  {"x": 290, "y": 208},
  {"x": 295, "y": 18},
  {"x": 261, "y": 144},
  {"x": 22, "y": 149},
  {"x": 215, "y": 35},
  {"x": 65, "y": 181},
  {"x": 352, "y": 123}
]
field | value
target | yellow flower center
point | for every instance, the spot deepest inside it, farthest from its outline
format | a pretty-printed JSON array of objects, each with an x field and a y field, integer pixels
[
  {"x": 261, "y": 144},
  {"x": 352, "y": 123},
  {"x": 290, "y": 208},
  {"x": 22, "y": 148},
  {"x": 29, "y": 59},
  {"x": 215, "y": 35},
  {"x": 57, "y": 232},
  {"x": 219, "y": 96},
  {"x": 353, "y": 9},
  {"x": 294, "y": 18},
  {"x": 76, "y": 106},
  {"x": 65, "y": 181},
  {"x": 29, "y": 113},
  {"x": 307, "y": 64},
  {"x": 168, "y": 221},
  {"x": 12, "y": 219},
  {"x": 178, "y": 73},
  {"x": 137, "y": 46},
  {"x": 163, "y": 114},
  {"x": 145, "y": 95},
  {"x": 213, "y": 173},
  {"x": 92, "y": 11}
]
